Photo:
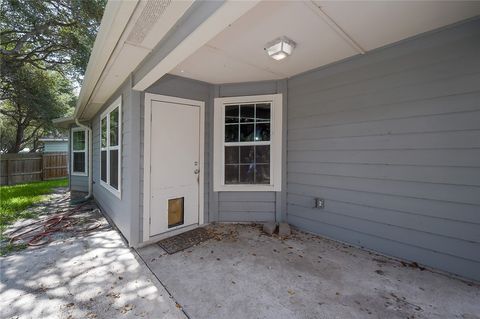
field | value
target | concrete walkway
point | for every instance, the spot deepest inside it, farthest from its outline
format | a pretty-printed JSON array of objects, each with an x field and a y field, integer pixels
[
  {"x": 245, "y": 274},
  {"x": 240, "y": 273},
  {"x": 94, "y": 276}
]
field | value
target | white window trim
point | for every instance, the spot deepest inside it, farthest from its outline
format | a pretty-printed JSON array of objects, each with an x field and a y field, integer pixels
[
  {"x": 114, "y": 105},
  {"x": 275, "y": 148},
  {"x": 85, "y": 151}
]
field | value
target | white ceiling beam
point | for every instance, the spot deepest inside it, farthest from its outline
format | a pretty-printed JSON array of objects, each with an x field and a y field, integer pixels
[
  {"x": 228, "y": 13},
  {"x": 312, "y": 5}
]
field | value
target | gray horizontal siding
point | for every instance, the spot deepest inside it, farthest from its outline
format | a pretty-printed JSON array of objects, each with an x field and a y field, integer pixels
[
  {"x": 79, "y": 183},
  {"x": 391, "y": 140},
  {"x": 119, "y": 210},
  {"x": 246, "y": 206}
]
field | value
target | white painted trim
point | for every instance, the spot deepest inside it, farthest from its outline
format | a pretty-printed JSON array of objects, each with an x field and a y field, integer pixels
[
  {"x": 116, "y": 16},
  {"x": 228, "y": 13},
  {"x": 85, "y": 151},
  {"x": 149, "y": 97},
  {"x": 276, "y": 143},
  {"x": 114, "y": 105}
]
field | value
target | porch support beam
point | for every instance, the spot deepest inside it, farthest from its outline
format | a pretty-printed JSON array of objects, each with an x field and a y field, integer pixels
[{"x": 227, "y": 13}]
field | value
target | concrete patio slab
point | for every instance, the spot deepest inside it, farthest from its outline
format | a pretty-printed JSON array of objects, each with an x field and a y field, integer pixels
[
  {"x": 243, "y": 273},
  {"x": 89, "y": 276}
]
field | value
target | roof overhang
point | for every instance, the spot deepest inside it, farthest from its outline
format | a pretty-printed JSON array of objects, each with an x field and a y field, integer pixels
[
  {"x": 114, "y": 21},
  {"x": 123, "y": 41},
  {"x": 64, "y": 122}
]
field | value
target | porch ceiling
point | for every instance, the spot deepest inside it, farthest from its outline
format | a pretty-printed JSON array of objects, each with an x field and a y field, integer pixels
[{"x": 325, "y": 32}]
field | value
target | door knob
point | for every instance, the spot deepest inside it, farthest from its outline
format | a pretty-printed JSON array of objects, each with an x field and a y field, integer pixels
[{"x": 196, "y": 171}]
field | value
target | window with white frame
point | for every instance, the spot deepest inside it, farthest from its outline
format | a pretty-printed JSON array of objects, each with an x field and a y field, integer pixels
[
  {"x": 248, "y": 139},
  {"x": 110, "y": 147},
  {"x": 79, "y": 151}
]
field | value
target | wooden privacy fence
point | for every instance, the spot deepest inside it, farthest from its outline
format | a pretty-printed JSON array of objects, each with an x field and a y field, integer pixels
[{"x": 24, "y": 168}]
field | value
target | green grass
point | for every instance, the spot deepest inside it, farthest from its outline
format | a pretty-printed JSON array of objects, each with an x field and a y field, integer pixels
[
  {"x": 15, "y": 199},
  {"x": 7, "y": 248}
]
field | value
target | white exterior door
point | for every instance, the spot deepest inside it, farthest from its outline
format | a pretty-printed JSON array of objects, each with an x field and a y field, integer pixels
[{"x": 174, "y": 166}]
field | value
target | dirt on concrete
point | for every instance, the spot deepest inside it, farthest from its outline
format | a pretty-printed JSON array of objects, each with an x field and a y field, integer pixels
[
  {"x": 81, "y": 275},
  {"x": 240, "y": 272},
  {"x": 244, "y": 273}
]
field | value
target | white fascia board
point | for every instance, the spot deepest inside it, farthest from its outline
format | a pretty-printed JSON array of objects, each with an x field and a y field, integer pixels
[
  {"x": 114, "y": 20},
  {"x": 64, "y": 122},
  {"x": 228, "y": 13}
]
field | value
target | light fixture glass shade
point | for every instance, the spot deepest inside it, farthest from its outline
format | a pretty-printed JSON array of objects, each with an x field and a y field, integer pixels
[{"x": 280, "y": 48}]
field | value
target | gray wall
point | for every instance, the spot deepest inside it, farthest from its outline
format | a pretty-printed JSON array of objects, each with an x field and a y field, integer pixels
[
  {"x": 78, "y": 183},
  {"x": 391, "y": 140},
  {"x": 246, "y": 206},
  {"x": 219, "y": 206},
  {"x": 124, "y": 212}
]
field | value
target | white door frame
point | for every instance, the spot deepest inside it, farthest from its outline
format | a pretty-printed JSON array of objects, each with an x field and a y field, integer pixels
[{"x": 149, "y": 97}]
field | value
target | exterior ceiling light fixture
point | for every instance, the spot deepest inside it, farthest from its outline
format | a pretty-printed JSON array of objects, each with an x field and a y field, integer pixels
[{"x": 280, "y": 48}]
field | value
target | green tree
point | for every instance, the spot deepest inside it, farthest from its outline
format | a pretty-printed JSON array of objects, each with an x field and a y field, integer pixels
[
  {"x": 39, "y": 97},
  {"x": 49, "y": 34},
  {"x": 44, "y": 44}
]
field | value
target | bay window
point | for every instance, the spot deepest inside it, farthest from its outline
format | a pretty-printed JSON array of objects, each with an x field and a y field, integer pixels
[
  {"x": 247, "y": 150},
  {"x": 110, "y": 148}
]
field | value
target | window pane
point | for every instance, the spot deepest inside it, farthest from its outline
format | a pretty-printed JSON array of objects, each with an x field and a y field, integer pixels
[
  {"x": 249, "y": 164},
  {"x": 231, "y": 174},
  {"x": 114, "y": 168},
  {"x": 231, "y": 155},
  {"x": 103, "y": 166},
  {"x": 262, "y": 174},
  {"x": 78, "y": 140},
  {"x": 262, "y": 132},
  {"x": 247, "y": 174},
  {"x": 246, "y": 154},
  {"x": 79, "y": 162},
  {"x": 114, "y": 127},
  {"x": 247, "y": 113},
  {"x": 246, "y": 132},
  {"x": 263, "y": 112},
  {"x": 231, "y": 133},
  {"x": 262, "y": 154},
  {"x": 231, "y": 114},
  {"x": 104, "y": 132}
]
